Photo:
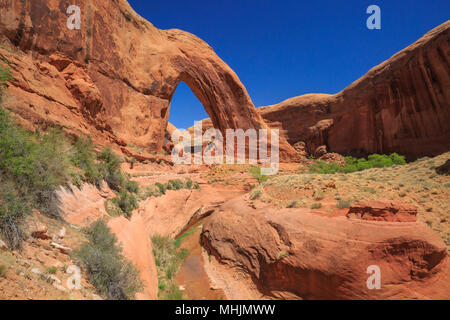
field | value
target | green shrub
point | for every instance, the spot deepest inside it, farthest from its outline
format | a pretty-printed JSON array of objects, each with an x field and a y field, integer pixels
[
  {"x": 353, "y": 164},
  {"x": 168, "y": 262},
  {"x": 343, "y": 204},
  {"x": 256, "y": 172},
  {"x": 37, "y": 165},
  {"x": 161, "y": 187},
  {"x": 3, "y": 271},
  {"x": 316, "y": 206},
  {"x": 84, "y": 157},
  {"x": 5, "y": 75},
  {"x": 255, "y": 194},
  {"x": 175, "y": 184},
  {"x": 112, "y": 275},
  {"x": 13, "y": 208},
  {"x": 189, "y": 183},
  {"x": 132, "y": 186},
  {"x": 127, "y": 202},
  {"x": 173, "y": 292},
  {"x": 52, "y": 270}
]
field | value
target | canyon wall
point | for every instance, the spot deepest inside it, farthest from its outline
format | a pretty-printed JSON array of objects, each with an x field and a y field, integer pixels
[
  {"x": 401, "y": 105},
  {"x": 114, "y": 77}
]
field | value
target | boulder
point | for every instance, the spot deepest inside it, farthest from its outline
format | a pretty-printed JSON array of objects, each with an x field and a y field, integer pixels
[
  {"x": 383, "y": 210},
  {"x": 298, "y": 254},
  {"x": 39, "y": 230}
]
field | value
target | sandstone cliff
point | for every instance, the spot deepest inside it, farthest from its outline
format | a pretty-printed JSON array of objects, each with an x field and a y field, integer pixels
[
  {"x": 115, "y": 77},
  {"x": 401, "y": 105}
]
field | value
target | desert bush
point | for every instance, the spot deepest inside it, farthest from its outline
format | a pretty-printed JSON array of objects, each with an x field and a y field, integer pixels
[
  {"x": 113, "y": 276},
  {"x": 318, "y": 195},
  {"x": 162, "y": 188},
  {"x": 173, "y": 292},
  {"x": 5, "y": 75},
  {"x": 168, "y": 261},
  {"x": 316, "y": 205},
  {"x": 85, "y": 158},
  {"x": 52, "y": 270},
  {"x": 36, "y": 164},
  {"x": 127, "y": 202},
  {"x": 189, "y": 183},
  {"x": 175, "y": 184},
  {"x": 3, "y": 271},
  {"x": 256, "y": 172},
  {"x": 343, "y": 204},
  {"x": 13, "y": 208},
  {"x": 255, "y": 194},
  {"x": 353, "y": 164}
]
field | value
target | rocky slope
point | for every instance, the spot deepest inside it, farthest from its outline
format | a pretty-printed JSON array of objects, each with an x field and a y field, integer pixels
[
  {"x": 298, "y": 253},
  {"x": 401, "y": 105},
  {"x": 115, "y": 77}
]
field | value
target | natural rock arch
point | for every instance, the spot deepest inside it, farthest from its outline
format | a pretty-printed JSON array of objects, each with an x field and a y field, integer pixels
[{"x": 121, "y": 72}]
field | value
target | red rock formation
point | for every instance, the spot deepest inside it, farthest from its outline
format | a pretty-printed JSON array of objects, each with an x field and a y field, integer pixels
[
  {"x": 116, "y": 76},
  {"x": 393, "y": 211},
  {"x": 402, "y": 105},
  {"x": 293, "y": 253}
]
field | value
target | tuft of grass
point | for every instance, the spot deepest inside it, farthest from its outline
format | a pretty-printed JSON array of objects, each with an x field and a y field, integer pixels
[
  {"x": 114, "y": 277},
  {"x": 255, "y": 194},
  {"x": 354, "y": 164},
  {"x": 343, "y": 204},
  {"x": 282, "y": 255},
  {"x": 52, "y": 270},
  {"x": 317, "y": 205},
  {"x": 3, "y": 271},
  {"x": 177, "y": 242},
  {"x": 256, "y": 172},
  {"x": 168, "y": 261},
  {"x": 318, "y": 195}
]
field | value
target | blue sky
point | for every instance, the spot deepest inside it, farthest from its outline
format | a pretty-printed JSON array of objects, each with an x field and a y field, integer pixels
[{"x": 285, "y": 48}]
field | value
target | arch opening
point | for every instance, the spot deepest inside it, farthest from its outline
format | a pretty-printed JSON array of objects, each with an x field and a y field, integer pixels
[{"x": 185, "y": 108}]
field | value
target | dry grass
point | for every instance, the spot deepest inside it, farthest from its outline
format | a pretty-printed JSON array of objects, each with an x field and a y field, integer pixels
[{"x": 416, "y": 183}]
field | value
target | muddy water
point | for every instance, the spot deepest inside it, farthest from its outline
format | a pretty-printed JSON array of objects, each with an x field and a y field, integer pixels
[{"x": 192, "y": 276}]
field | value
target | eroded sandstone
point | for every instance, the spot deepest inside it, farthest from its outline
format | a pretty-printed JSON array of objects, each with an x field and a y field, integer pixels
[{"x": 293, "y": 253}]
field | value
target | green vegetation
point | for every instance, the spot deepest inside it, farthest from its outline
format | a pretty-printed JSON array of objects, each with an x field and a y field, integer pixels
[
  {"x": 34, "y": 165},
  {"x": 114, "y": 277},
  {"x": 124, "y": 204},
  {"x": 3, "y": 271},
  {"x": 282, "y": 255},
  {"x": 318, "y": 195},
  {"x": 317, "y": 205},
  {"x": 158, "y": 189},
  {"x": 354, "y": 164},
  {"x": 255, "y": 194},
  {"x": 343, "y": 204},
  {"x": 52, "y": 270},
  {"x": 256, "y": 172},
  {"x": 5, "y": 75},
  {"x": 178, "y": 240},
  {"x": 168, "y": 260}
]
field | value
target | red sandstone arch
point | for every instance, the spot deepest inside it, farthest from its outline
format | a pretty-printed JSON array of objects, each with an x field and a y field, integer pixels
[{"x": 122, "y": 71}]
